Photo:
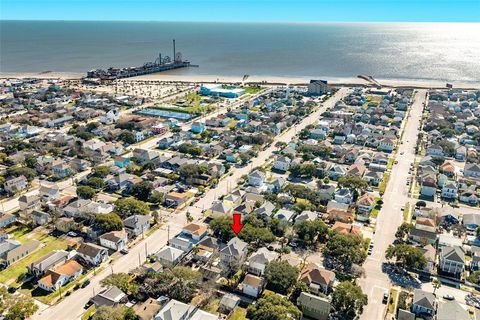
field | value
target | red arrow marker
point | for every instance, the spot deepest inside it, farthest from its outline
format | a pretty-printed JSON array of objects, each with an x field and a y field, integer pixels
[{"x": 237, "y": 225}]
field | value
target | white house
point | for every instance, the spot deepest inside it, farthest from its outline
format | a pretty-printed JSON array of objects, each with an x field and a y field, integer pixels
[
  {"x": 92, "y": 253},
  {"x": 115, "y": 240},
  {"x": 282, "y": 163},
  {"x": 111, "y": 116},
  {"x": 256, "y": 178},
  {"x": 449, "y": 190},
  {"x": 252, "y": 285},
  {"x": 61, "y": 275}
]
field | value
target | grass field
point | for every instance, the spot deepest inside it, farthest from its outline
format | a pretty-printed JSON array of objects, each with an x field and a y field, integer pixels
[
  {"x": 252, "y": 90},
  {"x": 238, "y": 314},
  {"x": 16, "y": 271}
]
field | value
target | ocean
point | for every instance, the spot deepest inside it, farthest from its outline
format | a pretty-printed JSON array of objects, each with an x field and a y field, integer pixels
[{"x": 429, "y": 51}]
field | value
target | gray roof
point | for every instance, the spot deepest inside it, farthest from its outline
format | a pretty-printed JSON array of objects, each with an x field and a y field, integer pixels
[
  {"x": 135, "y": 221},
  {"x": 454, "y": 253},
  {"x": 109, "y": 297},
  {"x": 424, "y": 299},
  {"x": 313, "y": 301},
  {"x": 234, "y": 247},
  {"x": 451, "y": 310}
]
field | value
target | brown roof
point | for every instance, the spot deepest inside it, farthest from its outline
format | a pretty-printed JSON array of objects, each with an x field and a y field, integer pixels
[
  {"x": 342, "y": 227},
  {"x": 196, "y": 228},
  {"x": 69, "y": 268},
  {"x": 114, "y": 236},
  {"x": 252, "y": 281},
  {"x": 366, "y": 200},
  {"x": 90, "y": 249},
  {"x": 313, "y": 274},
  {"x": 426, "y": 221}
]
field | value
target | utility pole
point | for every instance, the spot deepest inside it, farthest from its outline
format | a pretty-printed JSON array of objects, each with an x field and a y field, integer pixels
[
  {"x": 168, "y": 232},
  {"x": 139, "y": 260},
  {"x": 146, "y": 251}
]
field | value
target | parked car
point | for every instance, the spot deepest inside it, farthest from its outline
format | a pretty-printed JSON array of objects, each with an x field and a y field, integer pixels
[
  {"x": 71, "y": 234},
  {"x": 86, "y": 283},
  {"x": 448, "y": 297},
  {"x": 385, "y": 297},
  {"x": 124, "y": 251}
]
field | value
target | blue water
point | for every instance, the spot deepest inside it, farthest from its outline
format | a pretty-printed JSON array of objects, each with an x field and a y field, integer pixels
[
  {"x": 387, "y": 51},
  {"x": 165, "y": 114}
]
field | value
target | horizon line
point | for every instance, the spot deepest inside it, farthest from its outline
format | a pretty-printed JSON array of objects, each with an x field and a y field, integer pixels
[{"x": 241, "y": 21}]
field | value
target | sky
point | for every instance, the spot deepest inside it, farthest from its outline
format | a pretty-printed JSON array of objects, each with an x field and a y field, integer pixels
[{"x": 245, "y": 10}]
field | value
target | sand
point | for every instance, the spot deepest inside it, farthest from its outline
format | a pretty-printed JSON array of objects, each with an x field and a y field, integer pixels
[{"x": 168, "y": 76}]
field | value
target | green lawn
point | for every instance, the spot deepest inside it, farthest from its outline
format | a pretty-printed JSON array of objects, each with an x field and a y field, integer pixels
[
  {"x": 252, "y": 90},
  {"x": 375, "y": 211},
  {"x": 392, "y": 298},
  {"x": 383, "y": 184},
  {"x": 89, "y": 312},
  {"x": 238, "y": 314},
  {"x": 15, "y": 271}
]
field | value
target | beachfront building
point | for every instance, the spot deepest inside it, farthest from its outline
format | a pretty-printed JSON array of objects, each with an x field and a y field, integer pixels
[
  {"x": 317, "y": 87},
  {"x": 220, "y": 90}
]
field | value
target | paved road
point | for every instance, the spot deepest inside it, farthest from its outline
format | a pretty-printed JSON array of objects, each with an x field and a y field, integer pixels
[
  {"x": 390, "y": 217},
  {"x": 72, "y": 306}
]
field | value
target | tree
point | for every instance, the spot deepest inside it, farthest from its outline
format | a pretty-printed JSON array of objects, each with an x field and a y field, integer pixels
[
  {"x": 127, "y": 137},
  {"x": 180, "y": 283},
  {"x": 344, "y": 250},
  {"x": 273, "y": 307},
  {"x": 127, "y": 207},
  {"x": 256, "y": 235},
  {"x": 142, "y": 190},
  {"x": 421, "y": 203},
  {"x": 348, "y": 300},
  {"x": 281, "y": 276},
  {"x": 221, "y": 228},
  {"x": 122, "y": 281},
  {"x": 86, "y": 192},
  {"x": 406, "y": 255},
  {"x": 474, "y": 277},
  {"x": 28, "y": 173},
  {"x": 403, "y": 230},
  {"x": 101, "y": 171},
  {"x": 109, "y": 222},
  {"x": 352, "y": 182},
  {"x": 16, "y": 307},
  {"x": 117, "y": 312},
  {"x": 96, "y": 183},
  {"x": 308, "y": 231}
]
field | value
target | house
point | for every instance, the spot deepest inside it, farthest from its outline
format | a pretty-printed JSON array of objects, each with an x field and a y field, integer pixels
[
  {"x": 452, "y": 260},
  {"x": 252, "y": 285},
  {"x": 336, "y": 171},
  {"x": 49, "y": 261},
  {"x": 175, "y": 199},
  {"x": 148, "y": 309},
  {"x": 29, "y": 202},
  {"x": 285, "y": 215},
  {"x": 365, "y": 205},
  {"x": 220, "y": 209},
  {"x": 424, "y": 303},
  {"x": 60, "y": 275},
  {"x": 313, "y": 306},
  {"x": 19, "y": 252},
  {"x": 429, "y": 252},
  {"x": 176, "y": 310},
  {"x": 40, "y": 218},
  {"x": 109, "y": 297},
  {"x": 234, "y": 253},
  {"x": 115, "y": 240},
  {"x": 326, "y": 192},
  {"x": 136, "y": 225},
  {"x": 449, "y": 190},
  {"x": 7, "y": 219},
  {"x": 65, "y": 224},
  {"x": 344, "y": 195},
  {"x": 14, "y": 185},
  {"x": 306, "y": 215},
  {"x": 92, "y": 253},
  {"x": 345, "y": 228},
  {"x": 423, "y": 235},
  {"x": 317, "y": 279},
  {"x": 169, "y": 256},
  {"x": 428, "y": 185},
  {"x": 256, "y": 178},
  {"x": 228, "y": 303},
  {"x": 386, "y": 144},
  {"x": 205, "y": 249},
  {"x": 472, "y": 170},
  {"x": 121, "y": 162},
  {"x": 195, "y": 231},
  {"x": 471, "y": 221},
  {"x": 339, "y": 212},
  {"x": 258, "y": 261},
  {"x": 49, "y": 193},
  {"x": 282, "y": 163},
  {"x": 469, "y": 197},
  {"x": 448, "y": 310}
]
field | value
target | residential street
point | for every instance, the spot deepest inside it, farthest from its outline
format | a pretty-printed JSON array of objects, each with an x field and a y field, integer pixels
[
  {"x": 375, "y": 282},
  {"x": 72, "y": 306}
]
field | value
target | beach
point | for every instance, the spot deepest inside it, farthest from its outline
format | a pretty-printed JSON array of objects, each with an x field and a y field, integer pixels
[{"x": 299, "y": 80}]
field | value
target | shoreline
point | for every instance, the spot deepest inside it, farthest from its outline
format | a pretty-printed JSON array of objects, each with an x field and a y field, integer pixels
[{"x": 293, "y": 80}]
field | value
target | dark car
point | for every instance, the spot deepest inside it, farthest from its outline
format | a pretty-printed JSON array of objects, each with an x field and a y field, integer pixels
[
  {"x": 12, "y": 289},
  {"x": 86, "y": 283},
  {"x": 88, "y": 304}
]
